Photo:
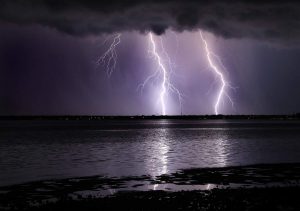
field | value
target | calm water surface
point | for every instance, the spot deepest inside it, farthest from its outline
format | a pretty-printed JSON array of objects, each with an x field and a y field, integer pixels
[{"x": 37, "y": 150}]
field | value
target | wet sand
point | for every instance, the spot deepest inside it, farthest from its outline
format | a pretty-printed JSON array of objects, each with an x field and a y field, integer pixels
[
  {"x": 217, "y": 199},
  {"x": 255, "y": 187}
]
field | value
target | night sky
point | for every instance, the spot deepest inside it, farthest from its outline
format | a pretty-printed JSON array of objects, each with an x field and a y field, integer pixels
[{"x": 49, "y": 49}]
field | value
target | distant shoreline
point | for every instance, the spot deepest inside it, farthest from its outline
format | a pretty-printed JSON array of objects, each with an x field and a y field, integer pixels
[{"x": 156, "y": 117}]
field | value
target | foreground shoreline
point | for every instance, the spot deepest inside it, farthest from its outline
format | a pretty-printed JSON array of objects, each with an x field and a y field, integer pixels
[
  {"x": 216, "y": 199},
  {"x": 253, "y": 187}
]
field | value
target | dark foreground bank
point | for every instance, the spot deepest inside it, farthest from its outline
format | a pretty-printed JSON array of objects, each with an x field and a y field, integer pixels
[
  {"x": 279, "y": 198},
  {"x": 216, "y": 199},
  {"x": 255, "y": 187}
]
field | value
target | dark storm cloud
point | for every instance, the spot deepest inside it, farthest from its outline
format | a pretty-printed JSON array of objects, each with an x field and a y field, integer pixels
[{"x": 268, "y": 19}]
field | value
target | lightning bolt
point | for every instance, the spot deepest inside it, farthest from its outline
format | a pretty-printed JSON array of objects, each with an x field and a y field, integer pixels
[
  {"x": 163, "y": 71},
  {"x": 210, "y": 55},
  {"x": 109, "y": 58},
  {"x": 171, "y": 87}
]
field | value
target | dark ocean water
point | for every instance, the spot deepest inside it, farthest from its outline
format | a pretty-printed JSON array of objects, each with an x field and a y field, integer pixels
[{"x": 38, "y": 150}]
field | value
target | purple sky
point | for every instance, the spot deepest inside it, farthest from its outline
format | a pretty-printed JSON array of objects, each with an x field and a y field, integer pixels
[
  {"x": 47, "y": 72},
  {"x": 48, "y": 67}
]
